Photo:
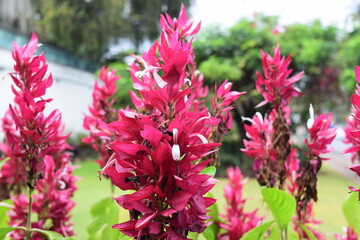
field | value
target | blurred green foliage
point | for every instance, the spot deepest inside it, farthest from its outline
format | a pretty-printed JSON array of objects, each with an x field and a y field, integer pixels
[
  {"x": 314, "y": 51},
  {"x": 89, "y": 28},
  {"x": 233, "y": 54},
  {"x": 327, "y": 54},
  {"x": 124, "y": 84}
]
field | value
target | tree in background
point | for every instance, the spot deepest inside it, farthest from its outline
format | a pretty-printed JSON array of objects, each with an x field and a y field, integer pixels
[
  {"x": 88, "y": 27},
  {"x": 85, "y": 28},
  {"x": 143, "y": 17},
  {"x": 234, "y": 54},
  {"x": 314, "y": 47}
]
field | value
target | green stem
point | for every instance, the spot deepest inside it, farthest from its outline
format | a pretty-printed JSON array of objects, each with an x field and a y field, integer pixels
[
  {"x": 112, "y": 189},
  {"x": 28, "y": 223}
]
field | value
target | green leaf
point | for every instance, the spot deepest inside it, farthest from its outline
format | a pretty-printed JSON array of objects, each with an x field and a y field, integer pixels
[
  {"x": 211, "y": 170},
  {"x": 192, "y": 235},
  {"x": 209, "y": 233},
  {"x": 214, "y": 210},
  {"x": 274, "y": 232},
  {"x": 6, "y": 230},
  {"x": 309, "y": 234},
  {"x": 351, "y": 211},
  {"x": 106, "y": 214},
  {"x": 281, "y": 204},
  {"x": 258, "y": 232},
  {"x": 51, "y": 235}
]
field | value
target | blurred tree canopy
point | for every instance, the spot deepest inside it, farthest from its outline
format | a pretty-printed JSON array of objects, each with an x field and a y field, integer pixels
[
  {"x": 234, "y": 54},
  {"x": 88, "y": 27},
  {"x": 314, "y": 50}
]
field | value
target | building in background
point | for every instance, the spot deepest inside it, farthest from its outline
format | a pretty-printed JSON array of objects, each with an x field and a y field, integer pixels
[{"x": 73, "y": 77}]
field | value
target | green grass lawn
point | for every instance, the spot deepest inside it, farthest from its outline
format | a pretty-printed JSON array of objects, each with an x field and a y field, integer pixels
[{"x": 332, "y": 191}]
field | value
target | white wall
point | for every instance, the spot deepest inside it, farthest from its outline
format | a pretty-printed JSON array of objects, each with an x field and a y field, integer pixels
[{"x": 71, "y": 91}]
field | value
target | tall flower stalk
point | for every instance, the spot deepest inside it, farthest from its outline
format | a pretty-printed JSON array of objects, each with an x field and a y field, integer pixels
[
  {"x": 101, "y": 113},
  {"x": 237, "y": 221},
  {"x": 277, "y": 88},
  {"x": 353, "y": 129},
  {"x": 276, "y": 162},
  {"x": 163, "y": 145},
  {"x": 35, "y": 137}
]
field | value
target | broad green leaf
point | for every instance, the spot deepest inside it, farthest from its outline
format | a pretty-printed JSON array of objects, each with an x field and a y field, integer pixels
[
  {"x": 214, "y": 213},
  {"x": 98, "y": 208},
  {"x": 214, "y": 210},
  {"x": 351, "y": 211},
  {"x": 309, "y": 234},
  {"x": 211, "y": 170},
  {"x": 6, "y": 230},
  {"x": 209, "y": 232},
  {"x": 4, "y": 207},
  {"x": 192, "y": 235},
  {"x": 274, "y": 232},
  {"x": 106, "y": 214},
  {"x": 258, "y": 232},
  {"x": 51, "y": 235},
  {"x": 281, "y": 204}
]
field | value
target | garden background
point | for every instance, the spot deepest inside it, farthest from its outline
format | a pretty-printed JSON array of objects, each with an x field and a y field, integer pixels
[{"x": 80, "y": 36}]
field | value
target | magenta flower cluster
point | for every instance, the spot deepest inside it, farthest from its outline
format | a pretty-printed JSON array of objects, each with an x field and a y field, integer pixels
[
  {"x": 35, "y": 146},
  {"x": 270, "y": 144},
  {"x": 162, "y": 146},
  {"x": 101, "y": 113}
]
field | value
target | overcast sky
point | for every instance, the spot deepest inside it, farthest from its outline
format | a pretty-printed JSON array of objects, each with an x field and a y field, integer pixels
[{"x": 227, "y": 12}]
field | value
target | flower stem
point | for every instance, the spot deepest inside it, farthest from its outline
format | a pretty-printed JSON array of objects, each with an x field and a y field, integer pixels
[
  {"x": 112, "y": 187},
  {"x": 28, "y": 223}
]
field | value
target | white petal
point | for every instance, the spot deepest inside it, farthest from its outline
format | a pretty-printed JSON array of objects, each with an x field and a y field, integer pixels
[
  {"x": 175, "y": 151},
  {"x": 159, "y": 80},
  {"x": 139, "y": 74},
  {"x": 62, "y": 185},
  {"x": 227, "y": 85},
  {"x": 260, "y": 117},
  {"x": 186, "y": 98},
  {"x": 187, "y": 80},
  {"x": 310, "y": 122}
]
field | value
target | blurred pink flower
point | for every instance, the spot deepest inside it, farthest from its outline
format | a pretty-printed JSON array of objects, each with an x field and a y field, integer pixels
[
  {"x": 237, "y": 221},
  {"x": 275, "y": 85},
  {"x": 101, "y": 113}
]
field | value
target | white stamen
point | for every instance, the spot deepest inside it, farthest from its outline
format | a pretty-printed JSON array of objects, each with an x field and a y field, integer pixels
[
  {"x": 246, "y": 119},
  {"x": 39, "y": 45},
  {"x": 310, "y": 122},
  {"x": 202, "y": 118},
  {"x": 159, "y": 80},
  {"x": 202, "y": 137},
  {"x": 175, "y": 135}
]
